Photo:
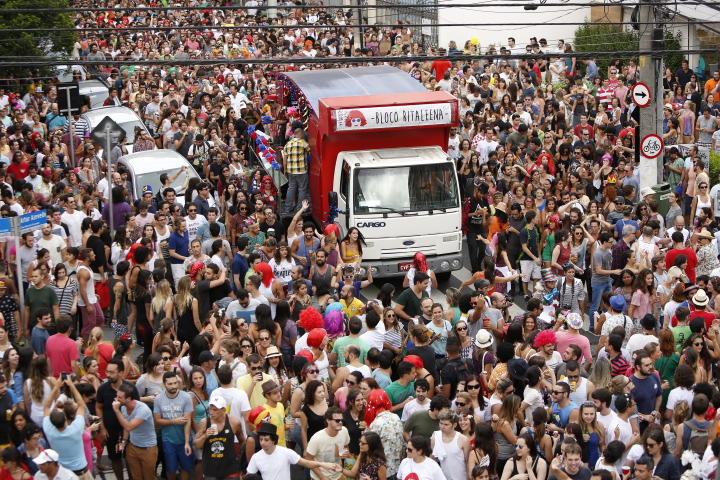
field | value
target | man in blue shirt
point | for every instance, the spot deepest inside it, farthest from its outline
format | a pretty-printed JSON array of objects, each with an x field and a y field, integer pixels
[
  {"x": 647, "y": 391},
  {"x": 65, "y": 438},
  {"x": 172, "y": 412},
  {"x": 240, "y": 265},
  {"x": 178, "y": 247},
  {"x": 136, "y": 419},
  {"x": 591, "y": 69}
]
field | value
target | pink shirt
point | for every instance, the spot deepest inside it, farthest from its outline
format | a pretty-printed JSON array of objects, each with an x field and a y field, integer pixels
[
  {"x": 62, "y": 351},
  {"x": 564, "y": 340},
  {"x": 642, "y": 303}
]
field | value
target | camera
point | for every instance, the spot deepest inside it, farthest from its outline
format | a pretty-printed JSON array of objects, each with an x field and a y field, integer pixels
[{"x": 508, "y": 298}]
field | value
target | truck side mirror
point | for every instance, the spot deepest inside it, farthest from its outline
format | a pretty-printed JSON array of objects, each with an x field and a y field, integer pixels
[{"x": 333, "y": 199}]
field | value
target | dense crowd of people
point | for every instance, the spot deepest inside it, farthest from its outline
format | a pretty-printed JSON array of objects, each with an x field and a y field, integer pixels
[{"x": 260, "y": 347}]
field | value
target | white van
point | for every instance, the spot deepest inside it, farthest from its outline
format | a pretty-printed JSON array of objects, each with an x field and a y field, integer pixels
[{"x": 145, "y": 168}]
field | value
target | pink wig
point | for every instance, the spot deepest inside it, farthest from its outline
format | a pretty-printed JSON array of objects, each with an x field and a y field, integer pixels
[{"x": 334, "y": 323}]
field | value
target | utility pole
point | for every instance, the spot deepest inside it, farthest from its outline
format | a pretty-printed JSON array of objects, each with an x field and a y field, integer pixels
[{"x": 651, "y": 39}]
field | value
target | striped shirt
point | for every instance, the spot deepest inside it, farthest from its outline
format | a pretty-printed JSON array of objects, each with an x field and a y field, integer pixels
[{"x": 619, "y": 365}]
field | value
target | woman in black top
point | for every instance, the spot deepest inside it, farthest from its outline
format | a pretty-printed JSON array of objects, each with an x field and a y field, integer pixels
[
  {"x": 354, "y": 420},
  {"x": 312, "y": 413},
  {"x": 420, "y": 336},
  {"x": 142, "y": 302}
]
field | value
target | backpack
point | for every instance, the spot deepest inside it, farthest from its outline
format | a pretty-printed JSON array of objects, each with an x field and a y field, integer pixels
[
  {"x": 460, "y": 367},
  {"x": 698, "y": 438}
]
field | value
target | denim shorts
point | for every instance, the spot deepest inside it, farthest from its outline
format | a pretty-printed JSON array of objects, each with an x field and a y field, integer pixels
[{"x": 175, "y": 458}]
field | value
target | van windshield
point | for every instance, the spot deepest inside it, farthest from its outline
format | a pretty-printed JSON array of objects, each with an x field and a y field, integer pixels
[
  {"x": 405, "y": 189},
  {"x": 153, "y": 179}
]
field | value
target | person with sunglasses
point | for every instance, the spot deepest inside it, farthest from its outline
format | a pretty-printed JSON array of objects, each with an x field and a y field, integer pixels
[{"x": 564, "y": 410}]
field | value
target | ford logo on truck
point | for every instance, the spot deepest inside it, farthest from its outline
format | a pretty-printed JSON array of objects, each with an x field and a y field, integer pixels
[{"x": 370, "y": 224}]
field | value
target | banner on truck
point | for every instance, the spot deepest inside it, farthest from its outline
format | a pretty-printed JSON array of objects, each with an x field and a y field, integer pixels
[{"x": 397, "y": 116}]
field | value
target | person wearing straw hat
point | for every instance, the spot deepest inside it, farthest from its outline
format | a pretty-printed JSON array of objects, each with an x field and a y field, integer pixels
[
  {"x": 273, "y": 462},
  {"x": 707, "y": 253}
]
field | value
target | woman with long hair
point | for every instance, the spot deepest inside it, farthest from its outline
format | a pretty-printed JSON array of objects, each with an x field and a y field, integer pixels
[
  {"x": 351, "y": 246},
  {"x": 312, "y": 413},
  {"x": 526, "y": 460},
  {"x": 305, "y": 372},
  {"x": 625, "y": 286},
  {"x": 467, "y": 343},
  {"x": 683, "y": 382},
  {"x": 420, "y": 335},
  {"x": 264, "y": 321},
  {"x": 91, "y": 377},
  {"x": 126, "y": 345},
  {"x": 656, "y": 447},
  {"x": 354, "y": 421},
  {"x": 120, "y": 246},
  {"x": 480, "y": 404},
  {"x": 593, "y": 431},
  {"x": 143, "y": 320},
  {"x": 201, "y": 406},
  {"x": 506, "y": 429},
  {"x": 485, "y": 451},
  {"x": 13, "y": 468},
  {"x": 643, "y": 300},
  {"x": 395, "y": 336},
  {"x": 66, "y": 290},
  {"x": 275, "y": 367},
  {"x": 163, "y": 294},
  {"x": 371, "y": 461},
  {"x": 100, "y": 350},
  {"x": 601, "y": 373},
  {"x": 533, "y": 396},
  {"x": 150, "y": 383},
  {"x": 183, "y": 308},
  {"x": 38, "y": 386},
  {"x": 666, "y": 365}
]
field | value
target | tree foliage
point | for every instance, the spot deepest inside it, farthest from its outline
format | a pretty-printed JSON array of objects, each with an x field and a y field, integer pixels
[
  {"x": 624, "y": 41},
  {"x": 23, "y": 44},
  {"x": 591, "y": 37}
]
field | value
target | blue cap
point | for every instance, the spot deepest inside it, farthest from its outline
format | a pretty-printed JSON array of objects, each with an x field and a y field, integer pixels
[{"x": 147, "y": 189}]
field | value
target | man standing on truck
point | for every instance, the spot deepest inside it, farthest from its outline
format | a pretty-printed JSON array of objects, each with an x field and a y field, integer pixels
[{"x": 295, "y": 165}]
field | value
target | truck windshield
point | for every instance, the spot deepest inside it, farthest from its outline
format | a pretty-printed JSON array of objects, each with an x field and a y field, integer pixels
[{"x": 405, "y": 189}]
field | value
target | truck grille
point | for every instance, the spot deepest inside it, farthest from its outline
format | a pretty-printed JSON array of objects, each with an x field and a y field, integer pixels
[{"x": 406, "y": 252}]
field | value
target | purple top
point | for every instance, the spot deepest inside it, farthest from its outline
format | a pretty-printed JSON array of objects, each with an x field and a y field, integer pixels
[{"x": 118, "y": 210}]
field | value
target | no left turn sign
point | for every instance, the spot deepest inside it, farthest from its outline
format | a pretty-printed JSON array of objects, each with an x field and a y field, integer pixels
[
  {"x": 640, "y": 94},
  {"x": 651, "y": 146}
]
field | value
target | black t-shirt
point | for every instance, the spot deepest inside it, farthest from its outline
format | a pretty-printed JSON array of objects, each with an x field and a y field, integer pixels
[
  {"x": 216, "y": 169},
  {"x": 106, "y": 396},
  {"x": 277, "y": 230},
  {"x": 98, "y": 247},
  {"x": 475, "y": 222},
  {"x": 6, "y": 404},
  {"x": 220, "y": 292},
  {"x": 582, "y": 474}
]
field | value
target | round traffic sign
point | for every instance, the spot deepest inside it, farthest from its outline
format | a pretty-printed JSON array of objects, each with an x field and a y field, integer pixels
[
  {"x": 640, "y": 94},
  {"x": 652, "y": 146}
]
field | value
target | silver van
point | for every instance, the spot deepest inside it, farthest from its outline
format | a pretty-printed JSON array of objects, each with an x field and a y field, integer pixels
[
  {"x": 145, "y": 168},
  {"x": 123, "y": 116}
]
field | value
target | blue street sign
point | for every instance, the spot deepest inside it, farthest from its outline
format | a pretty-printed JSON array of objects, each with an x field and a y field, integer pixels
[
  {"x": 32, "y": 221},
  {"x": 6, "y": 227}
]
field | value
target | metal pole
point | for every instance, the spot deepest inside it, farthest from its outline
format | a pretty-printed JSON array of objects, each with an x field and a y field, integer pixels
[
  {"x": 108, "y": 146},
  {"x": 71, "y": 130},
  {"x": 15, "y": 222},
  {"x": 648, "y": 116}
]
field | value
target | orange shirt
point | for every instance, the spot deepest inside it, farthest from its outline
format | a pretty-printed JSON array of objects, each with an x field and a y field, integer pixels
[{"x": 709, "y": 85}]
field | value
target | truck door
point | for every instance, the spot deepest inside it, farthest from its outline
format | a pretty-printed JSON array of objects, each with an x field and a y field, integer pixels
[{"x": 343, "y": 202}]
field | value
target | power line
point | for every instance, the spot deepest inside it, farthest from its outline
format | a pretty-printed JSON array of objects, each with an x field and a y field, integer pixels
[
  {"x": 31, "y": 61},
  {"x": 522, "y": 3}
]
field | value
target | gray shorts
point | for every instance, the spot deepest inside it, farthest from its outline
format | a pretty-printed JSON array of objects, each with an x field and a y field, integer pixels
[{"x": 530, "y": 270}]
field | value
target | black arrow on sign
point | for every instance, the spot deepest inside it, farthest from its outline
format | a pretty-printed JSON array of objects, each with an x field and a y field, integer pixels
[{"x": 640, "y": 94}]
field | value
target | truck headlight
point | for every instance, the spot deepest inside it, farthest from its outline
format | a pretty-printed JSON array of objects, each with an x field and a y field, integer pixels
[
  {"x": 456, "y": 264},
  {"x": 374, "y": 270},
  {"x": 444, "y": 265}
]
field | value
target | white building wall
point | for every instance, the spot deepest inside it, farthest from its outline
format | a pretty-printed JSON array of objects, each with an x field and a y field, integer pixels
[{"x": 503, "y": 20}]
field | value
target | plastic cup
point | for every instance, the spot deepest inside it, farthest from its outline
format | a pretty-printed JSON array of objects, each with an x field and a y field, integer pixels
[{"x": 625, "y": 470}]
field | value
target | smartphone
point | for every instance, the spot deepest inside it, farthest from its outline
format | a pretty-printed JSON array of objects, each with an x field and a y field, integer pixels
[{"x": 63, "y": 376}]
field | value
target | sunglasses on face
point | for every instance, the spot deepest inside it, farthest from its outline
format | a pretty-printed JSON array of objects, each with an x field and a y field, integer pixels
[
  {"x": 246, "y": 346},
  {"x": 461, "y": 404},
  {"x": 474, "y": 386},
  {"x": 314, "y": 371},
  {"x": 462, "y": 329},
  {"x": 166, "y": 359},
  {"x": 256, "y": 369}
]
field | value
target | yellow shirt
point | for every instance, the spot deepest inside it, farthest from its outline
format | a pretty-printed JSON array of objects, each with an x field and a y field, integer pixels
[
  {"x": 277, "y": 418},
  {"x": 257, "y": 399},
  {"x": 353, "y": 308}
]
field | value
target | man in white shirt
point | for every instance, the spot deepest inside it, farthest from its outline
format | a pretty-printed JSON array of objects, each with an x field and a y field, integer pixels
[
  {"x": 273, "y": 462},
  {"x": 236, "y": 398},
  {"x": 373, "y": 336},
  {"x": 421, "y": 400},
  {"x": 244, "y": 306},
  {"x": 54, "y": 244},
  {"x": 73, "y": 219},
  {"x": 193, "y": 221},
  {"x": 50, "y": 468}
]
